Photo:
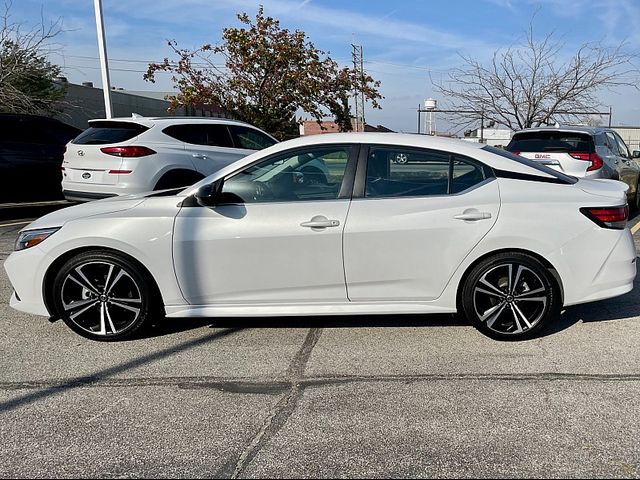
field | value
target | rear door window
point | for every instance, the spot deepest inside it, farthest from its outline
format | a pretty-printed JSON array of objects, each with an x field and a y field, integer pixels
[
  {"x": 551, "y": 142},
  {"x": 103, "y": 133},
  {"x": 250, "y": 139},
  {"x": 201, "y": 134},
  {"x": 613, "y": 144},
  {"x": 624, "y": 151}
]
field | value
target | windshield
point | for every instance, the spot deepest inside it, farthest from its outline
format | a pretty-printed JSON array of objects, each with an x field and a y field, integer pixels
[{"x": 530, "y": 163}]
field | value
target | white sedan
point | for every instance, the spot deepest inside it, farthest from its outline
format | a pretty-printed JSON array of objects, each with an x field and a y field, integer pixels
[{"x": 469, "y": 229}]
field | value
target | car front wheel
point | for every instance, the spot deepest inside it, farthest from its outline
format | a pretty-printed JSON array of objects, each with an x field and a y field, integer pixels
[
  {"x": 510, "y": 296},
  {"x": 102, "y": 296}
]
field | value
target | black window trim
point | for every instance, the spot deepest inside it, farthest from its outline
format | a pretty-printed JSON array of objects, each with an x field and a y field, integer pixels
[
  {"x": 346, "y": 189},
  {"x": 359, "y": 189}
]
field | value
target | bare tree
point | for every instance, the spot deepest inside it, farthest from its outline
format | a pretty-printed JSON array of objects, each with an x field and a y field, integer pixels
[
  {"x": 527, "y": 85},
  {"x": 26, "y": 76}
]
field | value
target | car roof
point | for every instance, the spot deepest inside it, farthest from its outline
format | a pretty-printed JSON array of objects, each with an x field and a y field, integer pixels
[
  {"x": 150, "y": 121},
  {"x": 384, "y": 139},
  {"x": 569, "y": 128}
]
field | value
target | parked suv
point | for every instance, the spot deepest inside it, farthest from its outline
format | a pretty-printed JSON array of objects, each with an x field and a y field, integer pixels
[
  {"x": 139, "y": 154},
  {"x": 589, "y": 152},
  {"x": 31, "y": 151}
]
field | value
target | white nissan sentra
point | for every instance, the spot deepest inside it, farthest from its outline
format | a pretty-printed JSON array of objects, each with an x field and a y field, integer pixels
[{"x": 468, "y": 228}]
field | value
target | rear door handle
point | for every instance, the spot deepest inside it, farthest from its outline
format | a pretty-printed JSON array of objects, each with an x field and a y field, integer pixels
[
  {"x": 320, "y": 222},
  {"x": 199, "y": 155},
  {"x": 473, "y": 216}
]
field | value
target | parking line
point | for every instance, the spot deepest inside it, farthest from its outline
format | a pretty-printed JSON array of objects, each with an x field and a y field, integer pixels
[
  {"x": 635, "y": 228},
  {"x": 14, "y": 224}
]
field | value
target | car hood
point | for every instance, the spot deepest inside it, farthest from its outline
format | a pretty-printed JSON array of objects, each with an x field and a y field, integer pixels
[
  {"x": 98, "y": 207},
  {"x": 605, "y": 188}
]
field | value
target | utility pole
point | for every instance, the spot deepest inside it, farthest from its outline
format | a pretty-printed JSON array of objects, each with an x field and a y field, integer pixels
[
  {"x": 104, "y": 65},
  {"x": 358, "y": 66}
]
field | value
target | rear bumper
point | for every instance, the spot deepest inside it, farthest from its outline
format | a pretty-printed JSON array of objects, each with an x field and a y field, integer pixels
[
  {"x": 614, "y": 277},
  {"x": 73, "y": 196}
]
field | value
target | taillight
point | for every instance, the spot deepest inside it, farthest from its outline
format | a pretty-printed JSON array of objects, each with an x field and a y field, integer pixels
[
  {"x": 608, "y": 217},
  {"x": 594, "y": 158},
  {"x": 127, "y": 151}
]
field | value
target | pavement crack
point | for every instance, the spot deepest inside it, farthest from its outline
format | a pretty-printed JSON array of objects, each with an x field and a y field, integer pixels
[
  {"x": 282, "y": 387},
  {"x": 284, "y": 408}
]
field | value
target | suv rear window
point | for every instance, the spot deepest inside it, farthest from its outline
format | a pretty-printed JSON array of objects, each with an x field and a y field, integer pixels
[
  {"x": 551, "y": 142},
  {"x": 102, "y": 133}
]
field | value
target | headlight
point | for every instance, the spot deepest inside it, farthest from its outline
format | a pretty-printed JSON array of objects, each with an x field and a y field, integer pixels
[{"x": 31, "y": 238}]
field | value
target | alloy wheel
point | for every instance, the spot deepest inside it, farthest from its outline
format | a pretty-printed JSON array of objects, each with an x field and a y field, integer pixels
[
  {"x": 510, "y": 299},
  {"x": 101, "y": 298},
  {"x": 402, "y": 158}
]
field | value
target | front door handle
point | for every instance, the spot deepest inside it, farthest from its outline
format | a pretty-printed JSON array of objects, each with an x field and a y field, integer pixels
[
  {"x": 199, "y": 155},
  {"x": 320, "y": 222},
  {"x": 472, "y": 215}
]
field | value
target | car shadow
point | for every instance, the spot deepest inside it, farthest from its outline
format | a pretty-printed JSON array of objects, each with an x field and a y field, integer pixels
[{"x": 170, "y": 326}]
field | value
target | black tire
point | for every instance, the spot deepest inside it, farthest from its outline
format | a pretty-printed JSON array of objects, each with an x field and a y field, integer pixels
[
  {"x": 635, "y": 203},
  {"x": 114, "y": 297},
  {"x": 178, "y": 179},
  {"x": 515, "y": 309}
]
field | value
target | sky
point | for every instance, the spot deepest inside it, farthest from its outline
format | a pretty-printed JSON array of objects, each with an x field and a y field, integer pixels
[{"x": 407, "y": 44}]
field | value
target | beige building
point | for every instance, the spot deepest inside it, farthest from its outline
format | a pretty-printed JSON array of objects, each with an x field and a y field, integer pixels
[{"x": 630, "y": 135}]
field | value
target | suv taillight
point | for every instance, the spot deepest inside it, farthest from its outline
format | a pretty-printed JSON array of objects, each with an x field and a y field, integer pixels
[
  {"x": 608, "y": 217},
  {"x": 127, "y": 151},
  {"x": 594, "y": 158}
]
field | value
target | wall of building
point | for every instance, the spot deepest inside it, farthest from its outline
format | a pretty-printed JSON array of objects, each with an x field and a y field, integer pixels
[{"x": 84, "y": 103}]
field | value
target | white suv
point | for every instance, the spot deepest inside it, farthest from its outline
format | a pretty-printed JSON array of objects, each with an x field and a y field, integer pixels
[{"x": 138, "y": 154}]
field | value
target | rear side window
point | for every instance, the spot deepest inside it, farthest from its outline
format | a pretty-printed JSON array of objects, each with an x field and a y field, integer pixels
[
  {"x": 551, "y": 142},
  {"x": 250, "y": 139},
  {"x": 412, "y": 172},
  {"x": 102, "y": 133},
  {"x": 201, "y": 134}
]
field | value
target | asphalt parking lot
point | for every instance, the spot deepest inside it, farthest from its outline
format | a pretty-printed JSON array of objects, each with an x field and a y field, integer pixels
[{"x": 383, "y": 396}]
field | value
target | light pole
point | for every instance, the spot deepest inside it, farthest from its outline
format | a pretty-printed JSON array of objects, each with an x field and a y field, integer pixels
[{"x": 104, "y": 65}]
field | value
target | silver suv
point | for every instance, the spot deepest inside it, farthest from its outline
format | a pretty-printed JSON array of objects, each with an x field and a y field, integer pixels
[{"x": 588, "y": 152}]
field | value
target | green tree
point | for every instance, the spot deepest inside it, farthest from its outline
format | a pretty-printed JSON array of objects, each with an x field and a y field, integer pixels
[
  {"x": 26, "y": 76},
  {"x": 264, "y": 74}
]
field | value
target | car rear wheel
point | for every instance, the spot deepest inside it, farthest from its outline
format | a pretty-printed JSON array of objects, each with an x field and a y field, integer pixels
[
  {"x": 103, "y": 296},
  {"x": 401, "y": 158},
  {"x": 635, "y": 204},
  {"x": 510, "y": 296}
]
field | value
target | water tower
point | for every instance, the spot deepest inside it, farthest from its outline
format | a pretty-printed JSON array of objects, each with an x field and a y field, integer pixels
[{"x": 430, "y": 105}]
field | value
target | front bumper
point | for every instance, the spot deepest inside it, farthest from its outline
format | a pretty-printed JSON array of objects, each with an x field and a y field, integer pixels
[{"x": 26, "y": 270}]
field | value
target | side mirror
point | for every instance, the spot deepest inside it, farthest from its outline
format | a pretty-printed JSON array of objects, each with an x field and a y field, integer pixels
[
  {"x": 206, "y": 195},
  {"x": 635, "y": 154}
]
